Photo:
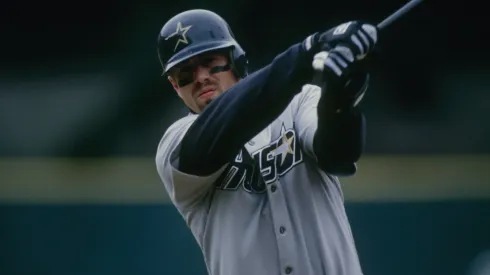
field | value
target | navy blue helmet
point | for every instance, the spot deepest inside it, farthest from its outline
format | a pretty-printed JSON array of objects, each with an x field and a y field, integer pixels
[{"x": 194, "y": 32}]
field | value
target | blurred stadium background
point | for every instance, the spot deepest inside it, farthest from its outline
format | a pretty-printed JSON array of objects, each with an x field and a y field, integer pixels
[{"x": 83, "y": 106}]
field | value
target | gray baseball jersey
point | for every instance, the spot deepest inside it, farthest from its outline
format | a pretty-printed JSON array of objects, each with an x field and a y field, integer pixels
[{"x": 270, "y": 210}]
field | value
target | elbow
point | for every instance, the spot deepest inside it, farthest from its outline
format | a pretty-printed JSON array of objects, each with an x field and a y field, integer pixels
[
  {"x": 339, "y": 169},
  {"x": 338, "y": 159},
  {"x": 339, "y": 147}
]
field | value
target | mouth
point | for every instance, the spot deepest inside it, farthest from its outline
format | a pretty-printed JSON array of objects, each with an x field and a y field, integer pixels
[{"x": 206, "y": 92}]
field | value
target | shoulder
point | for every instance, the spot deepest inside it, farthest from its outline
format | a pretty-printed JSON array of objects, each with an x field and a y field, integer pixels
[
  {"x": 308, "y": 96},
  {"x": 177, "y": 129},
  {"x": 185, "y": 190},
  {"x": 310, "y": 90},
  {"x": 173, "y": 135},
  {"x": 180, "y": 125}
]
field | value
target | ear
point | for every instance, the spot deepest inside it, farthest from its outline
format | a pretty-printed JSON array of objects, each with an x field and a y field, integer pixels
[{"x": 174, "y": 85}]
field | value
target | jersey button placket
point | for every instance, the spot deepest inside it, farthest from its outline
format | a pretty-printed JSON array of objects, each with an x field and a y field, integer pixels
[
  {"x": 273, "y": 188},
  {"x": 281, "y": 221}
]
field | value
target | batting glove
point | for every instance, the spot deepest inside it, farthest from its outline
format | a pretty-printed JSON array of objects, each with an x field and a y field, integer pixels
[
  {"x": 337, "y": 73},
  {"x": 355, "y": 38},
  {"x": 338, "y": 54}
]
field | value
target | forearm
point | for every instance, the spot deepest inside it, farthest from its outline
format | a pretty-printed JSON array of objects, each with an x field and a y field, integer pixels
[
  {"x": 239, "y": 114},
  {"x": 339, "y": 141},
  {"x": 340, "y": 137}
]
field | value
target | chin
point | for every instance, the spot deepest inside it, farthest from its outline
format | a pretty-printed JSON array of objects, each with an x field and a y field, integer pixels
[
  {"x": 206, "y": 101},
  {"x": 203, "y": 104},
  {"x": 209, "y": 100}
]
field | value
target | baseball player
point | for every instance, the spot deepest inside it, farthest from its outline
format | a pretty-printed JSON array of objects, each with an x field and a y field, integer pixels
[{"x": 253, "y": 168}]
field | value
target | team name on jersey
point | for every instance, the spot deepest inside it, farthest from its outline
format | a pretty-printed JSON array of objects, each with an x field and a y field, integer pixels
[{"x": 253, "y": 172}]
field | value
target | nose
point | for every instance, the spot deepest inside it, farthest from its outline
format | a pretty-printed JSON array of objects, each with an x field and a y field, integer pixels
[{"x": 202, "y": 74}]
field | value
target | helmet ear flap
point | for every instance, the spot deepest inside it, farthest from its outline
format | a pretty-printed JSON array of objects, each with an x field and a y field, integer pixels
[
  {"x": 239, "y": 62},
  {"x": 242, "y": 66}
]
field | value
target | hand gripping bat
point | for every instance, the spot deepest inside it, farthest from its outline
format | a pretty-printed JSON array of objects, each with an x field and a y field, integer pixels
[{"x": 319, "y": 66}]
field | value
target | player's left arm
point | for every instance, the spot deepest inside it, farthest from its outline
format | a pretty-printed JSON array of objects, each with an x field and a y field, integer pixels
[
  {"x": 335, "y": 141},
  {"x": 330, "y": 123}
]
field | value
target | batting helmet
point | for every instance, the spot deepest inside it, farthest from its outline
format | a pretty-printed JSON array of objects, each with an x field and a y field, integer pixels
[{"x": 194, "y": 32}]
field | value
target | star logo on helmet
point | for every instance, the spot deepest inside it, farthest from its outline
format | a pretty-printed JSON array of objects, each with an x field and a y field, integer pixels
[{"x": 181, "y": 32}]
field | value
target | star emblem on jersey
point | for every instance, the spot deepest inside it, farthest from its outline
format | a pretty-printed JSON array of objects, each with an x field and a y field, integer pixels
[
  {"x": 181, "y": 32},
  {"x": 285, "y": 148}
]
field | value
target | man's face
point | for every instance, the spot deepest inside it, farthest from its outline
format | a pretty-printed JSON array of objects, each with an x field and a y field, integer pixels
[{"x": 201, "y": 79}]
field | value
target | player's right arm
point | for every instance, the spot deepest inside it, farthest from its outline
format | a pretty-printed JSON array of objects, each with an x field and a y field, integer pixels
[{"x": 239, "y": 114}]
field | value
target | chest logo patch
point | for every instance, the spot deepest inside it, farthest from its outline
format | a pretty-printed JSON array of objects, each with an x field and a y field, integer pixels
[{"x": 255, "y": 171}]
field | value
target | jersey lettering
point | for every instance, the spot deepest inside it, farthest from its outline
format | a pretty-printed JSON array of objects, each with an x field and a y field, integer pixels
[
  {"x": 240, "y": 172},
  {"x": 264, "y": 166}
]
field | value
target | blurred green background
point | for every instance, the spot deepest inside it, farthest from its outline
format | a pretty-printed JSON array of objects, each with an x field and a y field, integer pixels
[{"x": 83, "y": 106}]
